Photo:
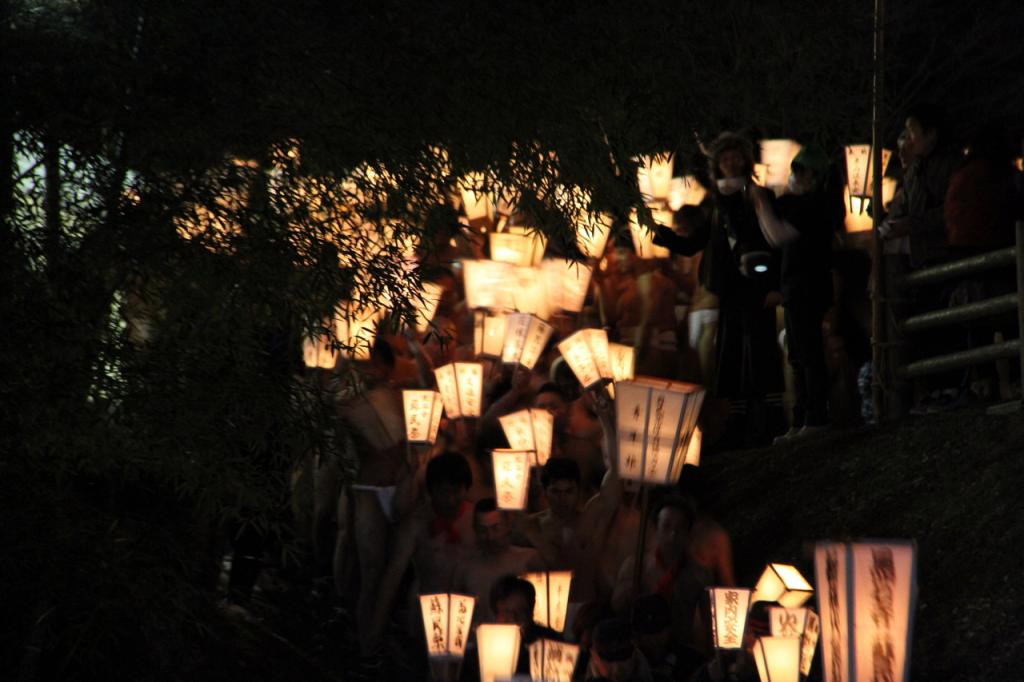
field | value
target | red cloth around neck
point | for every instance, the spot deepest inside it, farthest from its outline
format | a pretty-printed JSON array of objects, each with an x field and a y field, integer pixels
[{"x": 440, "y": 525}]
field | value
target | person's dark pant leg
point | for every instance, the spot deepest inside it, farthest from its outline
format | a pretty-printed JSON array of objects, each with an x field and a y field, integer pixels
[{"x": 807, "y": 358}]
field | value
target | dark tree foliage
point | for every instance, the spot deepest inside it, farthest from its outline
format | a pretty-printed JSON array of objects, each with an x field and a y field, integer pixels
[{"x": 175, "y": 178}]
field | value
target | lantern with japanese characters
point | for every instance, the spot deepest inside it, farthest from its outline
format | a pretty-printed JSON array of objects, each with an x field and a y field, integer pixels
[
  {"x": 422, "y": 415},
  {"x": 643, "y": 238},
  {"x": 654, "y": 422},
  {"x": 517, "y": 246},
  {"x": 461, "y": 387},
  {"x": 552, "y": 597},
  {"x": 486, "y": 283},
  {"x": 488, "y": 334},
  {"x": 623, "y": 361},
  {"x": 427, "y": 304},
  {"x": 866, "y": 597},
  {"x": 802, "y": 623},
  {"x": 511, "y": 477},
  {"x": 777, "y": 156},
  {"x": 729, "y": 607},
  {"x": 567, "y": 283},
  {"x": 530, "y": 430},
  {"x": 654, "y": 176},
  {"x": 778, "y": 659},
  {"x": 860, "y": 174},
  {"x": 783, "y": 583},
  {"x": 498, "y": 647},
  {"x": 525, "y": 339},
  {"x": 446, "y": 621},
  {"x": 588, "y": 354},
  {"x": 552, "y": 661}
]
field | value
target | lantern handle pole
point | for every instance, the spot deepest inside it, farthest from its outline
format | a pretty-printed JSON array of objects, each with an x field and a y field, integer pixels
[{"x": 638, "y": 569}]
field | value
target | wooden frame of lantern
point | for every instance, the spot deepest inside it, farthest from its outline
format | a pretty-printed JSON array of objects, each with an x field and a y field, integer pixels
[
  {"x": 517, "y": 246},
  {"x": 567, "y": 283},
  {"x": 461, "y": 387},
  {"x": 654, "y": 422},
  {"x": 777, "y": 156},
  {"x": 422, "y": 410},
  {"x": 643, "y": 238},
  {"x": 552, "y": 661},
  {"x": 552, "y": 603},
  {"x": 802, "y": 623},
  {"x": 784, "y": 584},
  {"x": 511, "y": 477},
  {"x": 860, "y": 174},
  {"x": 498, "y": 648},
  {"x": 588, "y": 354},
  {"x": 867, "y": 592},
  {"x": 531, "y": 430},
  {"x": 654, "y": 176},
  {"x": 446, "y": 622},
  {"x": 729, "y": 608},
  {"x": 488, "y": 334},
  {"x": 525, "y": 339},
  {"x": 778, "y": 659}
]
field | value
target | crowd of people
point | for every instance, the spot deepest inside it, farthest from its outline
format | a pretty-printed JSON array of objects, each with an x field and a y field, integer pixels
[{"x": 424, "y": 520}]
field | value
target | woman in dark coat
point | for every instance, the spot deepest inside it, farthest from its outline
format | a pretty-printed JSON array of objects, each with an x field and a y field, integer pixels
[{"x": 738, "y": 267}]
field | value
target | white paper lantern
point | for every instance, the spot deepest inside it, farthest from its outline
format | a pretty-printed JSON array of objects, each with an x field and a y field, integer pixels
[
  {"x": 686, "y": 191},
  {"x": 426, "y": 306},
  {"x": 498, "y": 647},
  {"x": 317, "y": 353},
  {"x": 784, "y": 584},
  {"x": 552, "y": 661},
  {"x": 643, "y": 238},
  {"x": 422, "y": 415},
  {"x": 511, "y": 477},
  {"x": 860, "y": 175},
  {"x": 486, "y": 283},
  {"x": 525, "y": 339},
  {"x": 530, "y": 430},
  {"x": 778, "y": 659},
  {"x": 527, "y": 292},
  {"x": 866, "y": 597},
  {"x": 654, "y": 420},
  {"x": 567, "y": 283},
  {"x": 552, "y": 603},
  {"x": 777, "y": 156},
  {"x": 356, "y": 328},
  {"x": 461, "y": 387},
  {"x": 488, "y": 334},
  {"x": 654, "y": 176},
  {"x": 446, "y": 622},
  {"x": 477, "y": 203},
  {"x": 802, "y": 623},
  {"x": 693, "y": 448},
  {"x": 517, "y": 246},
  {"x": 589, "y": 356},
  {"x": 623, "y": 361},
  {"x": 592, "y": 231},
  {"x": 729, "y": 606}
]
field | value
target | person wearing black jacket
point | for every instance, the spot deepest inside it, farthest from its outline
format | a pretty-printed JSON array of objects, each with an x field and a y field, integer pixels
[
  {"x": 739, "y": 267},
  {"x": 801, "y": 224}
]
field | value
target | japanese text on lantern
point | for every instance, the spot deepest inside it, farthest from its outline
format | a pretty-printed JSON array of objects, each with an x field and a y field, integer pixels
[
  {"x": 438, "y": 635},
  {"x": 732, "y": 636},
  {"x": 463, "y": 609},
  {"x": 835, "y": 624},
  {"x": 655, "y": 447},
  {"x": 883, "y": 579}
]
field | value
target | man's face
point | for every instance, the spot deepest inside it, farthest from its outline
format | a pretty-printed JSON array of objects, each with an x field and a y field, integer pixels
[
  {"x": 553, "y": 403},
  {"x": 623, "y": 260},
  {"x": 731, "y": 164},
  {"x": 514, "y": 610},
  {"x": 672, "y": 529},
  {"x": 563, "y": 497},
  {"x": 446, "y": 499},
  {"x": 491, "y": 531},
  {"x": 920, "y": 140}
]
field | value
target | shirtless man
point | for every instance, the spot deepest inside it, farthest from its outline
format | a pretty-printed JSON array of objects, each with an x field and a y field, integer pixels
[
  {"x": 435, "y": 538},
  {"x": 669, "y": 570},
  {"x": 493, "y": 557}
]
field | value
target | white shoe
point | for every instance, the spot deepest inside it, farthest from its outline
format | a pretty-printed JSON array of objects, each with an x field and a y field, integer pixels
[
  {"x": 787, "y": 436},
  {"x": 809, "y": 431}
]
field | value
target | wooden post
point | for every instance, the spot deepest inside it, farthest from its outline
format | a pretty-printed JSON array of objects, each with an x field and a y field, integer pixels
[
  {"x": 638, "y": 566},
  {"x": 879, "y": 349}
]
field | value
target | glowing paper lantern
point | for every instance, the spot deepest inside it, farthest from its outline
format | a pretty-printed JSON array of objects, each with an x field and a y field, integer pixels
[
  {"x": 525, "y": 339},
  {"x": 526, "y": 291},
  {"x": 446, "y": 621},
  {"x": 567, "y": 283},
  {"x": 488, "y": 334},
  {"x": 422, "y": 415},
  {"x": 461, "y": 387},
  {"x": 530, "y": 430},
  {"x": 552, "y": 604},
  {"x": 760, "y": 174},
  {"x": 686, "y": 191},
  {"x": 643, "y": 238},
  {"x": 485, "y": 283},
  {"x": 729, "y": 607},
  {"x": 498, "y": 646},
  {"x": 356, "y": 328},
  {"x": 866, "y": 597},
  {"x": 517, "y": 246},
  {"x": 782, "y": 583},
  {"x": 588, "y": 354},
  {"x": 552, "y": 661},
  {"x": 860, "y": 172},
  {"x": 654, "y": 420},
  {"x": 778, "y": 659},
  {"x": 693, "y": 447},
  {"x": 478, "y": 204},
  {"x": 623, "y": 361},
  {"x": 777, "y": 156},
  {"x": 802, "y": 623},
  {"x": 654, "y": 176},
  {"x": 592, "y": 233},
  {"x": 426, "y": 306},
  {"x": 511, "y": 477},
  {"x": 318, "y": 353}
]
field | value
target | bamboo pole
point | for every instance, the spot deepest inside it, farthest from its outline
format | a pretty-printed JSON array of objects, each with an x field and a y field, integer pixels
[{"x": 880, "y": 373}]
